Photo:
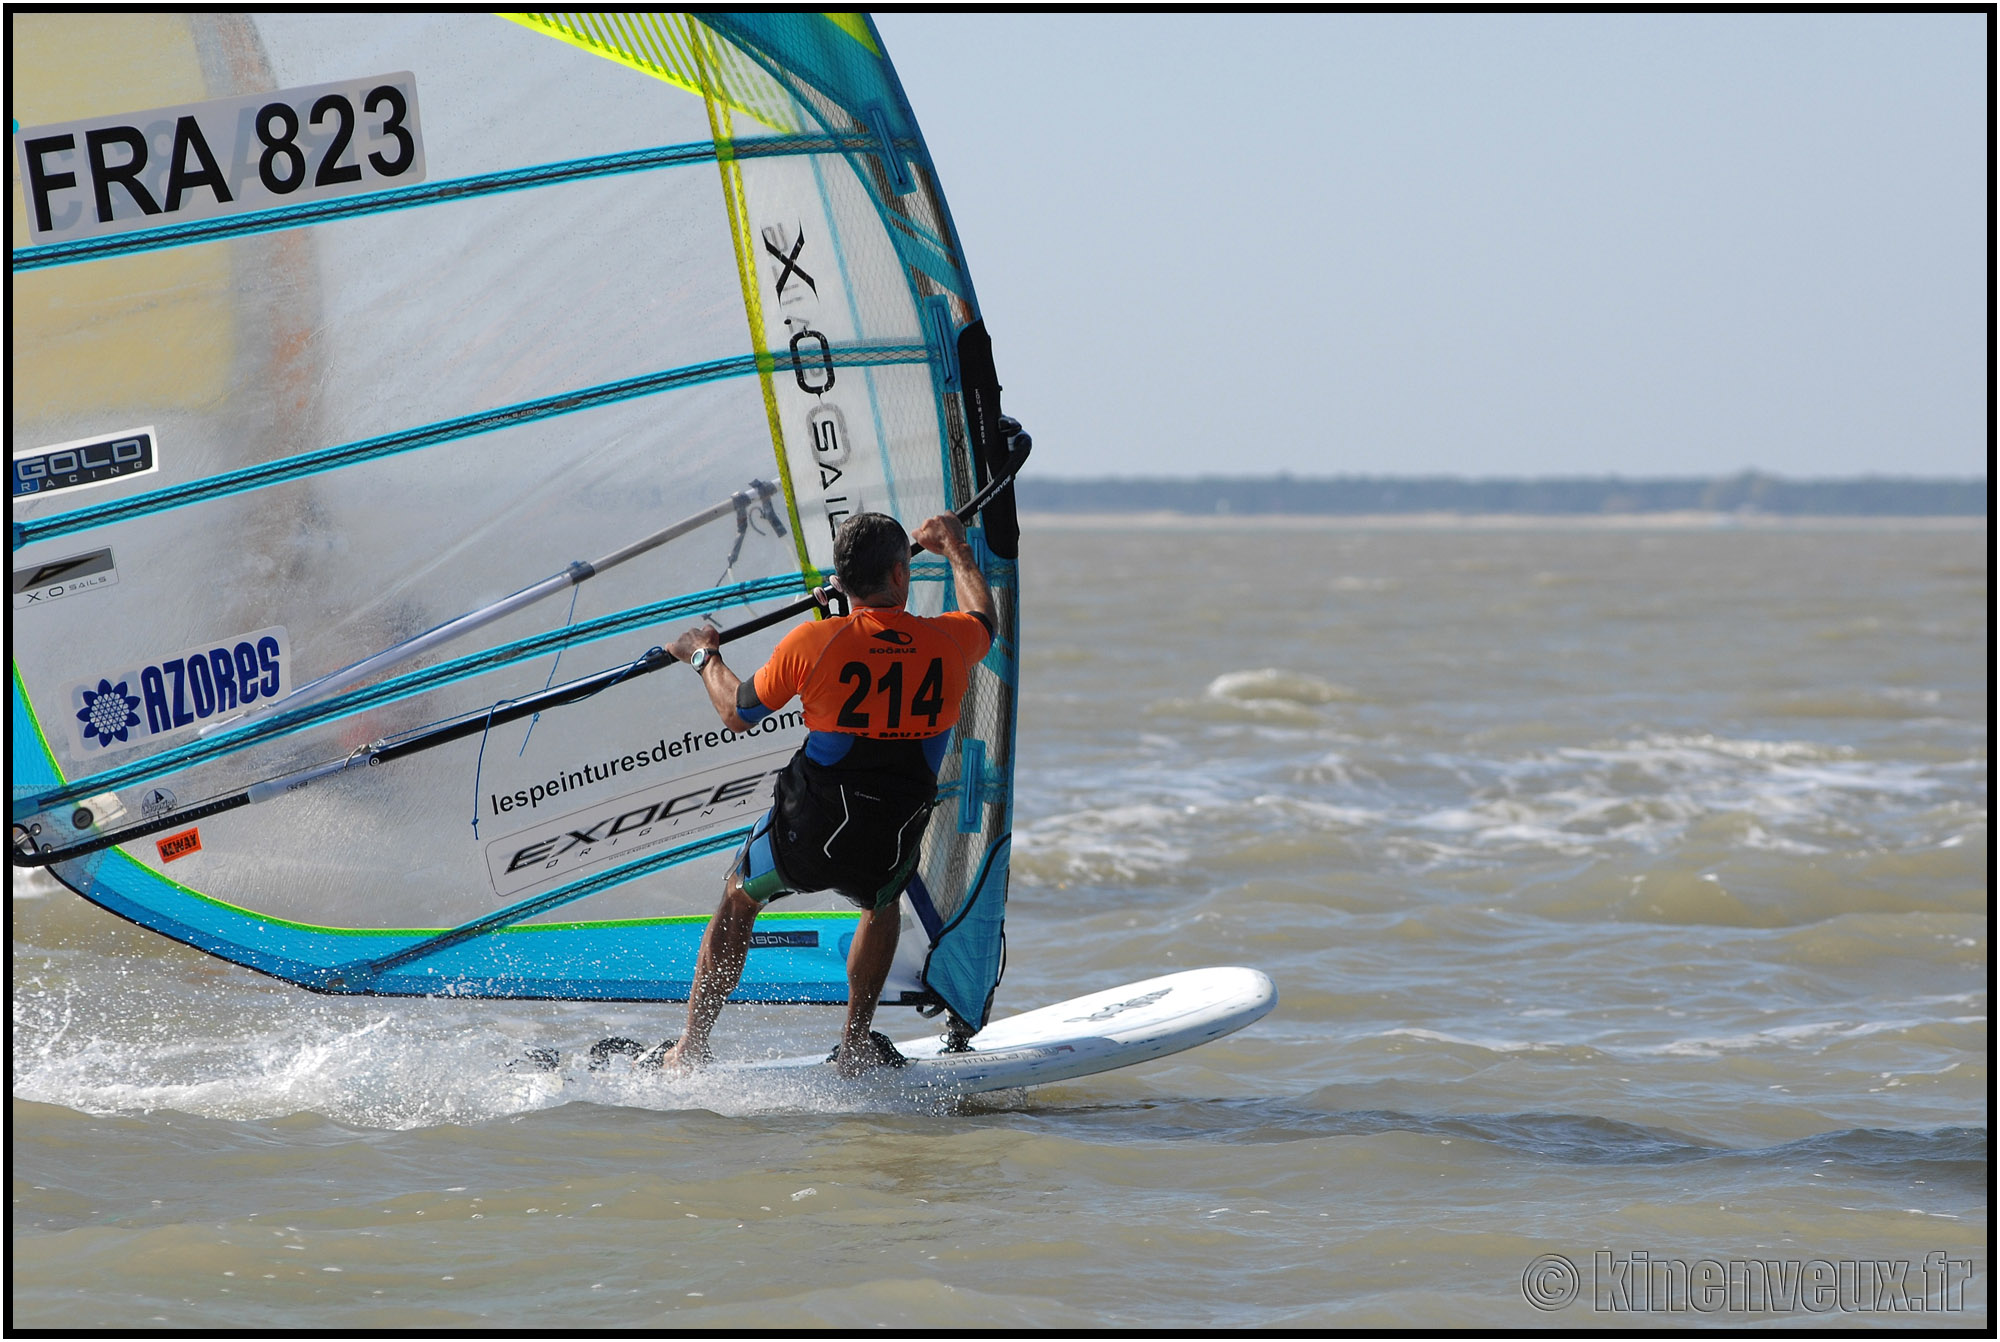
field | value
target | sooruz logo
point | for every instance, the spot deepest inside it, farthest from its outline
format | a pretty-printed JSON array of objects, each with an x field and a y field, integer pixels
[{"x": 895, "y": 636}]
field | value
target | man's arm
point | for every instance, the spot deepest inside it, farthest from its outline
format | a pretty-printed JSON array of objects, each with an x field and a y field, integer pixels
[
  {"x": 722, "y": 684},
  {"x": 945, "y": 535}
]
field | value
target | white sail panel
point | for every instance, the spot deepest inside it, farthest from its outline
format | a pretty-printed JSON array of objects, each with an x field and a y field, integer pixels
[{"x": 657, "y": 268}]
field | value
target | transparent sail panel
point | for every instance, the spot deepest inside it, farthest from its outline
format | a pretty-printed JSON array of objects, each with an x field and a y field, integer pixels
[{"x": 375, "y": 374}]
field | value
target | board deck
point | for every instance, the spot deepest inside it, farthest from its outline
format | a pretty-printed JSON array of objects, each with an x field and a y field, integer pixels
[{"x": 1083, "y": 1036}]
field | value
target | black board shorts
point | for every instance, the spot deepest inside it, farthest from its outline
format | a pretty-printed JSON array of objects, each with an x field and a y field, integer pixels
[{"x": 858, "y": 832}]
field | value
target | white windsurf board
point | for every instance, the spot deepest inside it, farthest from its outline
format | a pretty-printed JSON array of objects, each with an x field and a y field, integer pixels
[{"x": 1083, "y": 1036}]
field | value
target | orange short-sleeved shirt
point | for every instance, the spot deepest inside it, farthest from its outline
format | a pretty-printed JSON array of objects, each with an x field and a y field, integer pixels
[{"x": 879, "y": 672}]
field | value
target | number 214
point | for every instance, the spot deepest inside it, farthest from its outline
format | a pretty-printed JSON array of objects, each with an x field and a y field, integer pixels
[{"x": 928, "y": 701}]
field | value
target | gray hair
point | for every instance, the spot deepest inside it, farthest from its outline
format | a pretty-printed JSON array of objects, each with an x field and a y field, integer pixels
[{"x": 866, "y": 550}]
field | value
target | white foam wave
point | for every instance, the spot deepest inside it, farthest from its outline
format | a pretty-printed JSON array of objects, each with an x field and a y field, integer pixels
[
  {"x": 1784, "y": 796},
  {"x": 1103, "y": 845},
  {"x": 32, "y": 883},
  {"x": 1313, "y": 814},
  {"x": 1275, "y": 683},
  {"x": 1646, "y": 795},
  {"x": 1790, "y": 1036},
  {"x": 400, "y": 1066},
  {"x": 1154, "y": 842},
  {"x": 1487, "y": 1042},
  {"x": 1270, "y": 695},
  {"x": 1616, "y": 1042}
]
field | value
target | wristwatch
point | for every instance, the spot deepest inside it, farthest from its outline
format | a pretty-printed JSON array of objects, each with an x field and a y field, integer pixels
[{"x": 701, "y": 658}]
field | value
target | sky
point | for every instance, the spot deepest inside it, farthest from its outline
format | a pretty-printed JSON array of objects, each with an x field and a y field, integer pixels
[{"x": 1472, "y": 244}]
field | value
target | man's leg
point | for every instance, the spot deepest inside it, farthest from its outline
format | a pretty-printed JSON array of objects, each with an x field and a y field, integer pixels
[
  {"x": 867, "y": 970},
  {"x": 718, "y": 969}
]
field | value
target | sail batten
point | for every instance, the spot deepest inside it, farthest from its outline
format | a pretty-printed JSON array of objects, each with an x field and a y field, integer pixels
[
  {"x": 304, "y": 718},
  {"x": 306, "y": 417},
  {"x": 446, "y": 431},
  {"x": 434, "y": 193}
]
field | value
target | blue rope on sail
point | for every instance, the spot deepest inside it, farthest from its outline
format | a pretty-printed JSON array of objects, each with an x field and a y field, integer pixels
[
  {"x": 480, "y": 763},
  {"x": 535, "y": 719}
]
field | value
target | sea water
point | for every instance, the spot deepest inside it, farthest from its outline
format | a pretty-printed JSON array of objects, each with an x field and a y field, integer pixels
[{"x": 1625, "y": 888}]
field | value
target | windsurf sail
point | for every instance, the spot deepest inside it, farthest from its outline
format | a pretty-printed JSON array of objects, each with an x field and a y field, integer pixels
[{"x": 346, "y": 345}]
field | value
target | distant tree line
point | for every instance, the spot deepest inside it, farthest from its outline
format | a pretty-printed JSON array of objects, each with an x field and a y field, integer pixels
[{"x": 1751, "y": 491}]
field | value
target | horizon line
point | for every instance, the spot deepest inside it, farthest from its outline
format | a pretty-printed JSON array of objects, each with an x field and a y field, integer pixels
[{"x": 1750, "y": 474}]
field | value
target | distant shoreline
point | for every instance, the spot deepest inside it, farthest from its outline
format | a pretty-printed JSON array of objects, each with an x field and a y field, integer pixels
[
  {"x": 1032, "y": 520},
  {"x": 1687, "y": 501}
]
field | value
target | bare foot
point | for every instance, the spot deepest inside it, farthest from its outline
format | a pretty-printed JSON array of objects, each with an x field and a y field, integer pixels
[
  {"x": 855, "y": 1057},
  {"x": 680, "y": 1057}
]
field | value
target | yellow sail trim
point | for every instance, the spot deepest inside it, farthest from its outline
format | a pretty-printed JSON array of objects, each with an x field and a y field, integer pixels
[
  {"x": 663, "y": 46},
  {"x": 681, "y": 50},
  {"x": 706, "y": 51},
  {"x": 856, "y": 27}
]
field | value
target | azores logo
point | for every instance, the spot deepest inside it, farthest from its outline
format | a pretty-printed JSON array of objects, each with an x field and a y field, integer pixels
[{"x": 136, "y": 706}]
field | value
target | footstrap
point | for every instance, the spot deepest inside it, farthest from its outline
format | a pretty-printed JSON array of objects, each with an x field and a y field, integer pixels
[
  {"x": 602, "y": 1052},
  {"x": 885, "y": 1050}
]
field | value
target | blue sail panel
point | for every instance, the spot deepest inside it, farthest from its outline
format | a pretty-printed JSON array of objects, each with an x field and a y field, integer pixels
[{"x": 796, "y": 958}]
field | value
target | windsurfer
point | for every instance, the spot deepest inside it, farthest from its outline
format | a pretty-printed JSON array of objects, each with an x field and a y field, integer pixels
[{"x": 881, "y": 690}]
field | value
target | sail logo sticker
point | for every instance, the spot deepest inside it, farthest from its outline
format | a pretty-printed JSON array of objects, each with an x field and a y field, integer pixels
[
  {"x": 40, "y": 584},
  {"x": 177, "y": 846},
  {"x": 84, "y": 462},
  {"x": 623, "y": 827},
  {"x": 781, "y": 242},
  {"x": 136, "y": 706},
  {"x": 828, "y": 431},
  {"x": 792, "y": 940},
  {"x": 804, "y": 283},
  {"x": 1106, "y": 1013},
  {"x": 172, "y": 165},
  {"x": 829, "y": 440}
]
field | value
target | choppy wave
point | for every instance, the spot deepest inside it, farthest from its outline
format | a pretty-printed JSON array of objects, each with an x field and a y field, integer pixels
[
  {"x": 1957, "y": 1153},
  {"x": 393, "y": 1064},
  {"x": 1109, "y": 845},
  {"x": 1888, "y": 702},
  {"x": 1644, "y": 799},
  {"x": 1649, "y": 865}
]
